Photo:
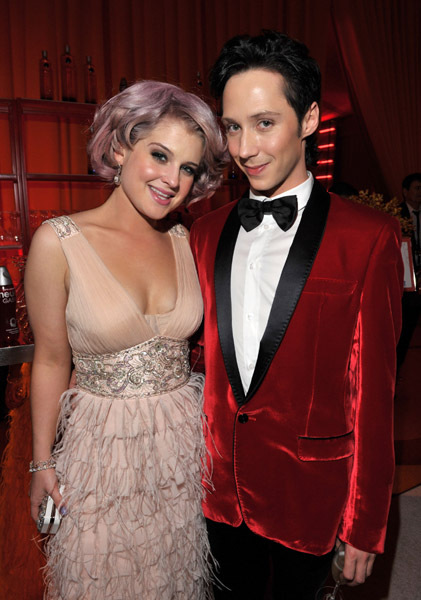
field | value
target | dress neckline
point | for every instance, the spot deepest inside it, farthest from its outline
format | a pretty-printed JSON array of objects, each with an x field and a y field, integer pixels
[{"x": 120, "y": 285}]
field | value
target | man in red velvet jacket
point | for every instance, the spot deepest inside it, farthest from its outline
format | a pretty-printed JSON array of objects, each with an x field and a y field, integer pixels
[{"x": 302, "y": 313}]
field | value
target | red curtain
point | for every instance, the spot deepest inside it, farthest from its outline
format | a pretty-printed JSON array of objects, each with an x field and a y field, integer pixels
[
  {"x": 380, "y": 43},
  {"x": 169, "y": 40},
  {"x": 172, "y": 40}
]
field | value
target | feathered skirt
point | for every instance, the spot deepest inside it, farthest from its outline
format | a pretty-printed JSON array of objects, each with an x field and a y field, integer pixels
[{"x": 131, "y": 469}]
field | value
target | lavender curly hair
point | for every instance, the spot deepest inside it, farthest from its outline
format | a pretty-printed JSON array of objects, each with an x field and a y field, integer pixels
[{"x": 132, "y": 114}]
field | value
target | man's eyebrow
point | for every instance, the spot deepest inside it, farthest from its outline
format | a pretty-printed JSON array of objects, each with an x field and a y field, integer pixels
[
  {"x": 260, "y": 115},
  {"x": 264, "y": 113}
]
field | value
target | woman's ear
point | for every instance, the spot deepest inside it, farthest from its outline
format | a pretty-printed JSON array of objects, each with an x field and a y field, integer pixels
[
  {"x": 311, "y": 120},
  {"x": 119, "y": 155}
]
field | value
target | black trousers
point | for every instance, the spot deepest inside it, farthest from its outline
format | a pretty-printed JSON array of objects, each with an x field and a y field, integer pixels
[{"x": 255, "y": 568}]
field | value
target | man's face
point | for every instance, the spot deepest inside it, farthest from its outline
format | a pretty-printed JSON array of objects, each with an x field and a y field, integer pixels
[
  {"x": 413, "y": 195},
  {"x": 264, "y": 136}
]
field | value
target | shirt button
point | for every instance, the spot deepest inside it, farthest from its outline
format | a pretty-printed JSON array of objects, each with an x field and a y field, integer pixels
[
  {"x": 266, "y": 226},
  {"x": 251, "y": 366},
  {"x": 251, "y": 266},
  {"x": 249, "y": 317},
  {"x": 243, "y": 418}
]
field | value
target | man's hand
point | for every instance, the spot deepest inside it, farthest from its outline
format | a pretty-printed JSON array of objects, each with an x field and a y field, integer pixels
[{"x": 358, "y": 565}]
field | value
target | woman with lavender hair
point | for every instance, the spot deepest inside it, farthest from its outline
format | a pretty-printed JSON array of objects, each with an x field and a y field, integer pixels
[{"x": 122, "y": 295}]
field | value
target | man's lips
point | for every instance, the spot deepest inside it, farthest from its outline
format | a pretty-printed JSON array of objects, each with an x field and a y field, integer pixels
[
  {"x": 161, "y": 196},
  {"x": 254, "y": 170}
]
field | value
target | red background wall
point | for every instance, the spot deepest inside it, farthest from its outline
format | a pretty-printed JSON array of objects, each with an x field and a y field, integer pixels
[{"x": 368, "y": 50}]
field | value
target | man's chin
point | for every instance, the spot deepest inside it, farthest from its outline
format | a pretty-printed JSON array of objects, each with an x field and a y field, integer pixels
[{"x": 264, "y": 191}]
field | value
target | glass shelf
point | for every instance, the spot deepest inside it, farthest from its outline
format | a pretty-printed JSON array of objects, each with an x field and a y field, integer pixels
[{"x": 13, "y": 355}]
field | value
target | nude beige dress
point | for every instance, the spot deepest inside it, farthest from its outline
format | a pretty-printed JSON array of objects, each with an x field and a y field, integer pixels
[{"x": 131, "y": 449}]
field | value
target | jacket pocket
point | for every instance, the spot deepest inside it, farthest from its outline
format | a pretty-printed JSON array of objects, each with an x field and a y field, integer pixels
[
  {"x": 326, "y": 448},
  {"x": 321, "y": 285}
]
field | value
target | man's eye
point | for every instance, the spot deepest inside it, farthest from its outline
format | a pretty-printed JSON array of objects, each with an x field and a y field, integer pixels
[
  {"x": 231, "y": 128},
  {"x": 265, "y": 124}
]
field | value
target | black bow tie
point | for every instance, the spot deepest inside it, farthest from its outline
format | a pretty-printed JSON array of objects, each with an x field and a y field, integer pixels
[{"x": 284, "y": 211}]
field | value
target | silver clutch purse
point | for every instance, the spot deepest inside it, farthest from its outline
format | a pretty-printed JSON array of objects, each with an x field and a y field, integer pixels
[{"x": 49, "y": 517}]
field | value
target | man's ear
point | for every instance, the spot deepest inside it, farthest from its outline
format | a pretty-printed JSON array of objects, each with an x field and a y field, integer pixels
[{"x": 311, "y": 120}]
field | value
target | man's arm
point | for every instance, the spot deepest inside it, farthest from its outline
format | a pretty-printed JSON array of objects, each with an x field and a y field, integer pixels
[{"x": 363, "y": 527}]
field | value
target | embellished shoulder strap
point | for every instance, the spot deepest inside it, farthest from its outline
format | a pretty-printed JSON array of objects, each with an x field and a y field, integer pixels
[
  {"x": 178, "y": 230},
  {"x": 64, "y": 227}
]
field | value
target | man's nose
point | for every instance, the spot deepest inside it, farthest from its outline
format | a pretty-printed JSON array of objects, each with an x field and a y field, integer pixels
[{"x": 248, "y": 145}]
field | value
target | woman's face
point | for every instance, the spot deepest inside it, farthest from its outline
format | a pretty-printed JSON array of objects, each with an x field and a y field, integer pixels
[{"x": 158, "y": 174}]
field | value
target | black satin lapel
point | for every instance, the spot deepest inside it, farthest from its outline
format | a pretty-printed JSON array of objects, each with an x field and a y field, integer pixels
[
  {"x": 291, "y": 283},
  {"x": 223, "y": 264}
]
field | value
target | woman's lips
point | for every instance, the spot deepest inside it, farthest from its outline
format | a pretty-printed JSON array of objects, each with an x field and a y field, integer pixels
[{"x": 160, "y": 196}]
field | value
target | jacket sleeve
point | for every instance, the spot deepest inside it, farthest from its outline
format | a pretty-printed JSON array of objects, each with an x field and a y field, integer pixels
[{"x": 372, "y": 372}]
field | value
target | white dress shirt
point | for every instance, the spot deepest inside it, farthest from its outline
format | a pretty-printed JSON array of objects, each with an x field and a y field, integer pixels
[{"x": 258, "y": 260}]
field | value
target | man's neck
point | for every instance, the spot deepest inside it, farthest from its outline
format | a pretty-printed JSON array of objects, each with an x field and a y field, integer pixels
[{"x": 306, "y": 182}]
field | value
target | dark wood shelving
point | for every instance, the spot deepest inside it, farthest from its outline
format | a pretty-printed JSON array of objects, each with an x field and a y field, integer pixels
[
  {"x": 18, "y": 111},
  {"x": 63, "y": 177}
]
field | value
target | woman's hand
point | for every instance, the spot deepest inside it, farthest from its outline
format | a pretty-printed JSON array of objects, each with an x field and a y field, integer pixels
[{"x": 44, "y": 483}]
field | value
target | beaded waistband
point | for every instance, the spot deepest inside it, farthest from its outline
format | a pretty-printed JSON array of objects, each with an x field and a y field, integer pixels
[{"x": 154, "y": 367}]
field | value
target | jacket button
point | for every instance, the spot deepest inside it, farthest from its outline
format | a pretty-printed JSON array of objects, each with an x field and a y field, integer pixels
[{"x": 243, "y": 418}]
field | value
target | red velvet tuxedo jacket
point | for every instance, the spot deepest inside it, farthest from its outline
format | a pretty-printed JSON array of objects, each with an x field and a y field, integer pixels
[{"x": 307, "y": 454}]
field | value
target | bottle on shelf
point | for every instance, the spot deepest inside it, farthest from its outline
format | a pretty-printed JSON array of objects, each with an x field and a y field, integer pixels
[
  {"x": 90, "y": 82},
  {"x": 68, "y": 76},
  {"x": 9, "y": 330},
  {"x": 45, "y": 77}
]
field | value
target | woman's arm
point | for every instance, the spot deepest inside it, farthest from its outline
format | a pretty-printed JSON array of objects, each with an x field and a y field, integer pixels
[{"x": 46, "y": 298}]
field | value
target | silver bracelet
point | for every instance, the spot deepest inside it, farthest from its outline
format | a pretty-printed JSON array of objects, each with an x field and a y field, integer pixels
[{"x": 42, "y": 465}]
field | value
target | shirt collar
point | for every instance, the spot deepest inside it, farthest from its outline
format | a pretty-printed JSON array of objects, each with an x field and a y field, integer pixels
[
  {"x": 410, "y": 208},
  {"x": 302, "y": 191}
]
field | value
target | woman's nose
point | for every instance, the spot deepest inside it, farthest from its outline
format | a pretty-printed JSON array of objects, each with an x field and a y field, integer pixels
[{"x": 171, "y": 176}]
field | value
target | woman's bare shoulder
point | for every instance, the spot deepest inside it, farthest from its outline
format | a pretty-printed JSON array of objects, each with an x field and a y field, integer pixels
[
  {"x": 87, "y": 218},
  {"x": 46, "y": 251}
]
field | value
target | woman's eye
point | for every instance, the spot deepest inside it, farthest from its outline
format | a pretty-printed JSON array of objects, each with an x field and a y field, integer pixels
[
  {"x": 189, "y": 170},
  {"x": 159, "y": 156}
]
